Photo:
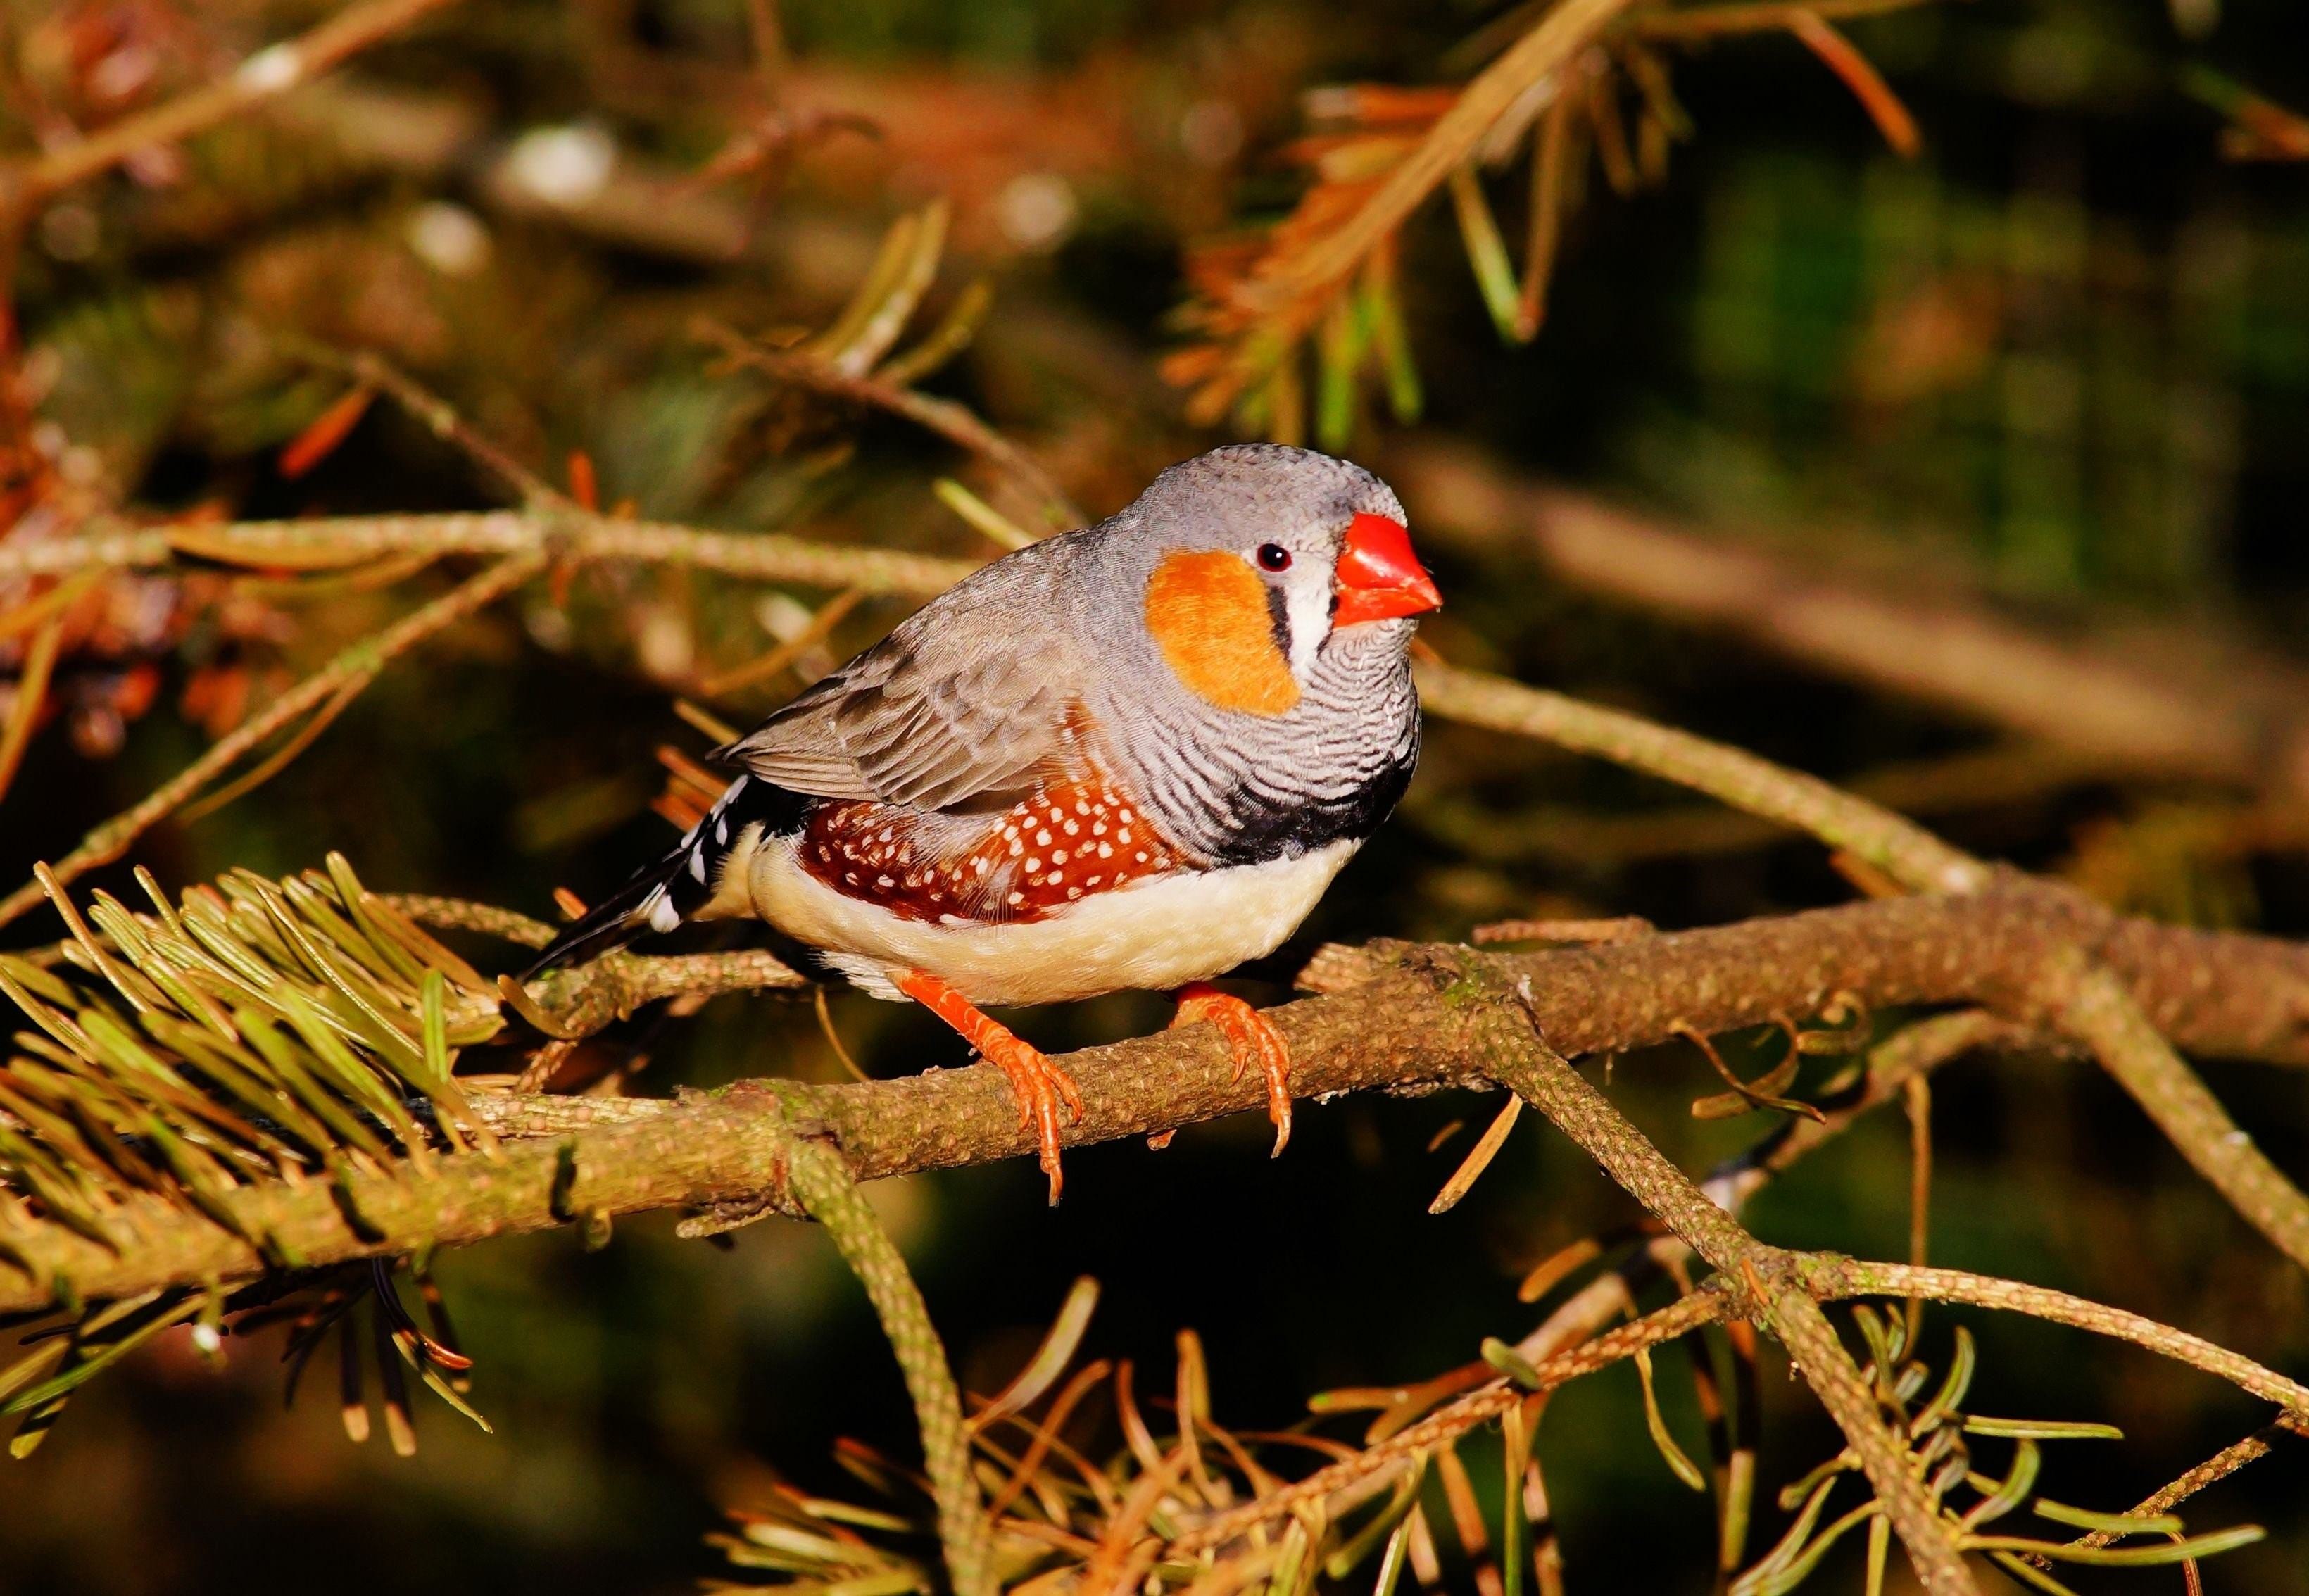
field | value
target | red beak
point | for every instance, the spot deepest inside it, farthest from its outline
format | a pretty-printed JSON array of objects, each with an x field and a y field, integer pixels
[{"x": 1379, "y": 578}]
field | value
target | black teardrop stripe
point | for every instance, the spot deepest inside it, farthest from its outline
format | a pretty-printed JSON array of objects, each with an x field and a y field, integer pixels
[
  {"x": 684, "y": 875},
  {"x": 1260, "y": 829}
]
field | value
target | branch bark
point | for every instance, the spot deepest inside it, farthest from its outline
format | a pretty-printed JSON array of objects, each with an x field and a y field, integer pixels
[
  {"x": 1513, "y": 1041},
  {"x": 2219, "y": 993}
]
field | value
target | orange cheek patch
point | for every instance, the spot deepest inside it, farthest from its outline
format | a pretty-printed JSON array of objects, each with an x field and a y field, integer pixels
[{"x": 1208, "y": 614}]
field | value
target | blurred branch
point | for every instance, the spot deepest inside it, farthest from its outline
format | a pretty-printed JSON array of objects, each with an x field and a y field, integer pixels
[
  {"x": 2243, "y": 718},
  {"x": 567, "y": 532},
  {"x": 269, "y": 72},
  {"x": 1894, "y": 843},
  {"x": 950, "y": 421},
  {"x": 316, "y": 695}
]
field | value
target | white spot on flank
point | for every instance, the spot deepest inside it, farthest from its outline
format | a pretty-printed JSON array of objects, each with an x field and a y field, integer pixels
[
  {"x": 1033, "y": 864},
  {"x": 1060, "y": 857}
]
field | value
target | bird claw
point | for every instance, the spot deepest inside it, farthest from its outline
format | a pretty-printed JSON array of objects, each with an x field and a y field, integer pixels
[
  {"x": 1040, "y": 1086},
  {"x": 1251, "y": 1036}
]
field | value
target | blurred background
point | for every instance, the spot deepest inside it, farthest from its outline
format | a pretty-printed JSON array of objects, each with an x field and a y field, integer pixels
[{"x": 2047, "y": 378}]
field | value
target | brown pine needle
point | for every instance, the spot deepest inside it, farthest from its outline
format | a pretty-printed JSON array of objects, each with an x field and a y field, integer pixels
[
  {"x": 31, "y": 696},
  {"x": 1760, "y": 1093},
  {"x": 324, "y": 432},
  {"x": 704, "y": 720},
  {"x": 830, "y": 615},
  {"x": 1479, "y": 1160},
  {"x": 1547, "y": 163},
  {"x": 1860, "y": 75},
  {"x": 282, "y": 757},
  {"x": 833, "y": 1038},
  {"x": 1553, "y": 1270}
]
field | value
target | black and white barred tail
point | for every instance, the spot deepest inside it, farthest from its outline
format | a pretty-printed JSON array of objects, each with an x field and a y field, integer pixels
[{"x": 677, "y": 884}]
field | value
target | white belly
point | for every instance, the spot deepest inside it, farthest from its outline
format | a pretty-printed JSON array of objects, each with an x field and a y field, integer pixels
[{"x": 1153, "y": 935}]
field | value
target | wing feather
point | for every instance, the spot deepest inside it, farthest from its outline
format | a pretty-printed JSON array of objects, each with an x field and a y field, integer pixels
[{"x": 932, "y": 716}]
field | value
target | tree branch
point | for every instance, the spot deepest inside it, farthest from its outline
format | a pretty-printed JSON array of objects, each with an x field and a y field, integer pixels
[
  {"x": 2069, "y": 986},
  {"x": 269, "y": 72},
  {"x": 1516, "y": 1051},
  {"x": 566, "y": 534},
  {"x": 1831, "y": 1278},
  {"x": 344, "y": 674},
  {"x": 2240, "y": 716},
  {"x": 710, "y": 1151}
]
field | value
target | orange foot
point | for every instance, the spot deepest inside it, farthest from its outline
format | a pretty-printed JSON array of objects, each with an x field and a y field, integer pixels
[
  {"x": 1250, "y": 1034},
  {"x": 1038, "y": 1083}
]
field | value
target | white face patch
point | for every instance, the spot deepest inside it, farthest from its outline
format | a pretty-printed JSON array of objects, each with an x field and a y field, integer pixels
[{"x": 1307, "y": 602}]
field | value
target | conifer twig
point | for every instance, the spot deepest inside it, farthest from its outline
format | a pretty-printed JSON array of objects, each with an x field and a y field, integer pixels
[
  {"x": 360, "y": 661},
  {"x": 2074, "y": 992},
  {"x": 826, "y": 1190},
  {"x": 950, "y": 421}
]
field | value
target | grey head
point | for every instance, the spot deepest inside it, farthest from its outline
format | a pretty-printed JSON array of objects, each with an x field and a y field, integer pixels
[{"x": 1285, "y": 512}]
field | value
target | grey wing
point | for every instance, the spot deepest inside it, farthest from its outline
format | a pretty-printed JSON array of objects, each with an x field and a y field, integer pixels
[{"x": 931, "y": 716}]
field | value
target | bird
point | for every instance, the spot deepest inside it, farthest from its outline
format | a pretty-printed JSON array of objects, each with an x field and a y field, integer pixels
[{"x": 1132, "y": 755}]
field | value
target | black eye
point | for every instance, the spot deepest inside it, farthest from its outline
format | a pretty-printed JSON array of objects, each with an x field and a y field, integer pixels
[{"x": 1274, "y": 557}]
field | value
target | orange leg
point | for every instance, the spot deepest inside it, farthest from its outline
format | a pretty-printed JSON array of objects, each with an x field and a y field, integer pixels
[
  {"x": 1038, "y": 1083},
  {"x": 1250, "y": 1035}
]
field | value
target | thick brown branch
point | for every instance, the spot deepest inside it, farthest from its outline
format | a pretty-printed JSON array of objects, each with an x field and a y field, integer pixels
[{"x": 2212, "y": 990}]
